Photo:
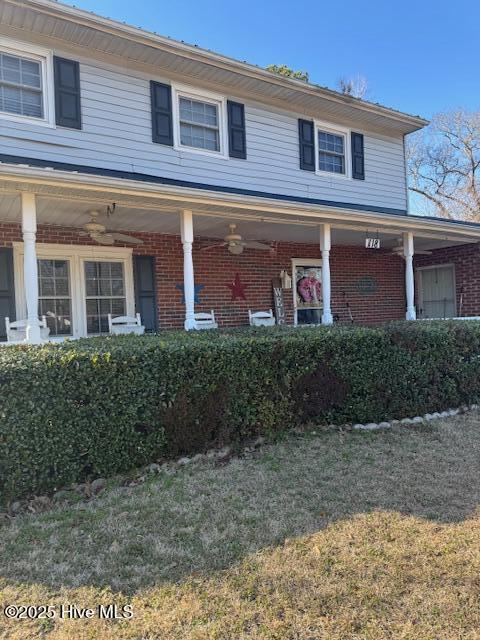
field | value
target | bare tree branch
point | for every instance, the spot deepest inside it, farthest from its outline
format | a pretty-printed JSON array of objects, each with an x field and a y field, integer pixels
[{"x": 444, "y": 164}]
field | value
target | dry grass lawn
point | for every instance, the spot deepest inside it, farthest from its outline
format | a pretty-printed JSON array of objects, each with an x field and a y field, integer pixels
[{"x": 327, "y": 535}]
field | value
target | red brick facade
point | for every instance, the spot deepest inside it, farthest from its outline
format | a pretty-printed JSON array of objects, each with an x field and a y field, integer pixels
[
  {"x": 466, "y": 259},
  {"x": 371, "y": 281}
]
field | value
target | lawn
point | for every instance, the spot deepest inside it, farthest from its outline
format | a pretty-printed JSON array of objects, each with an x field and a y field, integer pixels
[{"x": 331, "y": 534}]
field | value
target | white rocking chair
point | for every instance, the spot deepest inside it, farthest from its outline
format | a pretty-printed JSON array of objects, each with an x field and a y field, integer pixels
[
  {"x": 205, "y": 320},
  {"x": 261, "y": 318},
  {"x": 17, "y": 330},
  {"x": 125, "y": 324}
]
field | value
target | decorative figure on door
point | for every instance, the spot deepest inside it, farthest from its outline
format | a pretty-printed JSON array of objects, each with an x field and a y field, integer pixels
[{"x": 237, "y": 288}]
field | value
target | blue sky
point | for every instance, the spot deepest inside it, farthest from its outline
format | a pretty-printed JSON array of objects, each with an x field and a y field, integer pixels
[{"x": 418, "y": 56}]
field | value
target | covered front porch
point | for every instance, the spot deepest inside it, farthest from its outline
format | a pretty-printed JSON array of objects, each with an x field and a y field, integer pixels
[{"x": 177, "y": 262}]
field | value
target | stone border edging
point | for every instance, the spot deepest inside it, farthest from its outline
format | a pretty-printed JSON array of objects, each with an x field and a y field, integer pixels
[{"x": 428, "y": 417}]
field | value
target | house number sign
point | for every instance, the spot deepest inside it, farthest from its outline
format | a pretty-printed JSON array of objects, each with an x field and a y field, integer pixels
[{"x": 372, "y": 243}]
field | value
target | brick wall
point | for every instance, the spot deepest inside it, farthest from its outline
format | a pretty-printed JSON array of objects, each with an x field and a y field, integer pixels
[
  {"x": 371, "y": 281},
  {"x": 466, "y": 259}
]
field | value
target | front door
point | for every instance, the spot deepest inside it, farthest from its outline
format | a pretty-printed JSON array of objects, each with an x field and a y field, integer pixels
[
  {"x": 437, "y": 292},
  {"x": 307, "y": 291}
]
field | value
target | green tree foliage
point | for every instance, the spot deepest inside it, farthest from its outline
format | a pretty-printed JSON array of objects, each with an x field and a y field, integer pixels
[{"x": 287, "y": 72}]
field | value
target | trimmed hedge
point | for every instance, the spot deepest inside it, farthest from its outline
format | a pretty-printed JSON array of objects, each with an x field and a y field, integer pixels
[{"x": 98, "y": 407}]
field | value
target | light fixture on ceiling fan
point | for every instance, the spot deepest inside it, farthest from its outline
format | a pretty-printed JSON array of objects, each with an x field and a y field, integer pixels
[
  {"x": 99, "y": 233},
  {"x": 236, "y": 244}
]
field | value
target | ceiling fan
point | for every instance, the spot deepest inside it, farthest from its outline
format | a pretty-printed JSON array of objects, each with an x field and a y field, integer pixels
[
  {"x": 100, "y": 234},
  {"x": 236, "y": 244}
]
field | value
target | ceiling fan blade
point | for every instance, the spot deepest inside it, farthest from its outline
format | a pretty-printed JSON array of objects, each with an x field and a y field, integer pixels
[
  {"x": 213, "y": 246},
  {"x": 398, "y": 251},
  {"x": 252, "y": 244},
  {"x": 103, "y": 238},
  {"x": 123, "y": 237}
]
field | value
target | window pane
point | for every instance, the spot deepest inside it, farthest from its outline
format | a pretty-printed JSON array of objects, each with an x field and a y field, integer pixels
[
  {"x": 10, "y": 67},
  {"x": 199, "y": 125},
  {"x": 54, "y": 296},
  {"x": 331, "y": 152},
  {"x": 104, "y": 287},
  {"x": 104, "y": 281},
  {"x": 199, "y": 137},
  {"x": 198, "y": 112},
  {"x": 47, "y": 287},
  {"x": 20, "y": 86},
  {"x": 332, "y": 163}
]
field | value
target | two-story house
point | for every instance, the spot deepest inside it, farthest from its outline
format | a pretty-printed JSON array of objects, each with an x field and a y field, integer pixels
[{"x": 138, "y": 173}]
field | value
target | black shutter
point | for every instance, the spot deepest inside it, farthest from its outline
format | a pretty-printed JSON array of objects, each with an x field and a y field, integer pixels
[
  {"x": 162, "y": 121},
  {"x": 67, "y": 93},
  {"x": 145, "y": 291},
  {"x": 358, "y": 157},
  {"x": 307, "y": 145},
  {"x": 7, "y": 290},
  {"x": 237, "y": 144}
]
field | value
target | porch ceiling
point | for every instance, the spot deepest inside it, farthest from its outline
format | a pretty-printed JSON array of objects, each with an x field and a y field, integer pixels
[{"x": 138, "y": 214}]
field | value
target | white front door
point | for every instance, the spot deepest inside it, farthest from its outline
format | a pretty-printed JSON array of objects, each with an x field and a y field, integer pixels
[{"x": 437, "y": 292}]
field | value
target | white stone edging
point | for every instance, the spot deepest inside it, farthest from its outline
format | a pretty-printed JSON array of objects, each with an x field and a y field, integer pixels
[{"x": 428, "y": 417}]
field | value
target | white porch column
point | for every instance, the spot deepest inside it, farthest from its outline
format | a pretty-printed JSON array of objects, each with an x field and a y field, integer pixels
[
  {"x": 30, "y": 271},
  {"x": 186, "y": 226},
  {"x": 408, "y": 251},
  {"x": 325, "y": 245}
]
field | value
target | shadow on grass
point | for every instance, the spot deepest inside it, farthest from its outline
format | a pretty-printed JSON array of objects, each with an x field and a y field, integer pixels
[{"x": 207, "y": 518}]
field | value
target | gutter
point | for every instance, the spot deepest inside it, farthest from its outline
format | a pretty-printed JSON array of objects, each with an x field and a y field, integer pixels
[{"x": 185, "y": 197}]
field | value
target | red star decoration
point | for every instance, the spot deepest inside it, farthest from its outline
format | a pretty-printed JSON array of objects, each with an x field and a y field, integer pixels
[{"x": 237, "y": 288}]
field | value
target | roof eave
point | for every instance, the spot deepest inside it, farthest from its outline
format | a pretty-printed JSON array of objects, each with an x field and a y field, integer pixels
[{"x": 408, "y": 123}]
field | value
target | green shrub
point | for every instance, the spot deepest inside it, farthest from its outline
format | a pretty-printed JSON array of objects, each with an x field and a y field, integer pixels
[{"x": 97, "y": 407}]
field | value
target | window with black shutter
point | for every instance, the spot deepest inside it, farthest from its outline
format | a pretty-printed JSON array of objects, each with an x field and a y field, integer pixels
[
  {"x": 237, "y": 145},
  {"x": 306, "y": 145},
  {"x": 67, "y": 93},
  {"x": 162, "y": 119},
  {"x": 358, "y": 156}
]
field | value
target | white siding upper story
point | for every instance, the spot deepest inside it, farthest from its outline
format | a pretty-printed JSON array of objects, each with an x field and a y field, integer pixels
[{"x": 116, "y": 134}]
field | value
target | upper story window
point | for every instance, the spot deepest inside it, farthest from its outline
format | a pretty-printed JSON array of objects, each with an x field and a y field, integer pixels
[
  {"x": 199, "y": 126},
  {"x": 21, "y": 86},
  {"x": 200, "y": 123},
  {"x": 331, "y": 152},
  {"x": 332, "y": 145},
  {"x": 25, "y": 82}
]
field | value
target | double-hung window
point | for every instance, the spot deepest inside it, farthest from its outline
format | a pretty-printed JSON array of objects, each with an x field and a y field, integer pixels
[
  {"x": 199, "y": 121},
  {"x": 78, "y": 286},
  {"x": 199, "y": 124},
  {"x": 54, "y": 299},
  {"x": 331, "y": 152},
  {"x": 24, "y": 78},
  {"x": 21, "y": 90},
  {"x": 105, "y": 293}
]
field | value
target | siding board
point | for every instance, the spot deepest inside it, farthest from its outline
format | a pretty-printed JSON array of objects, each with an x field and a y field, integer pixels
[{"x": 117, "y": 134}]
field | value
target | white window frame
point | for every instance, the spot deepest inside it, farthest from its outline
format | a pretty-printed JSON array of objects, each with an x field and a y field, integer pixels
[
  {"x": 45, "y": 58},
  {"x": 337, "y": 131},
  {"x": 182, "y": 91},
  {"x": 76, "y": 255}
]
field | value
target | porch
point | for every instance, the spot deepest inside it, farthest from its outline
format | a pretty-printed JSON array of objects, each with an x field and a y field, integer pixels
[{"x": 177, "y": 262}]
